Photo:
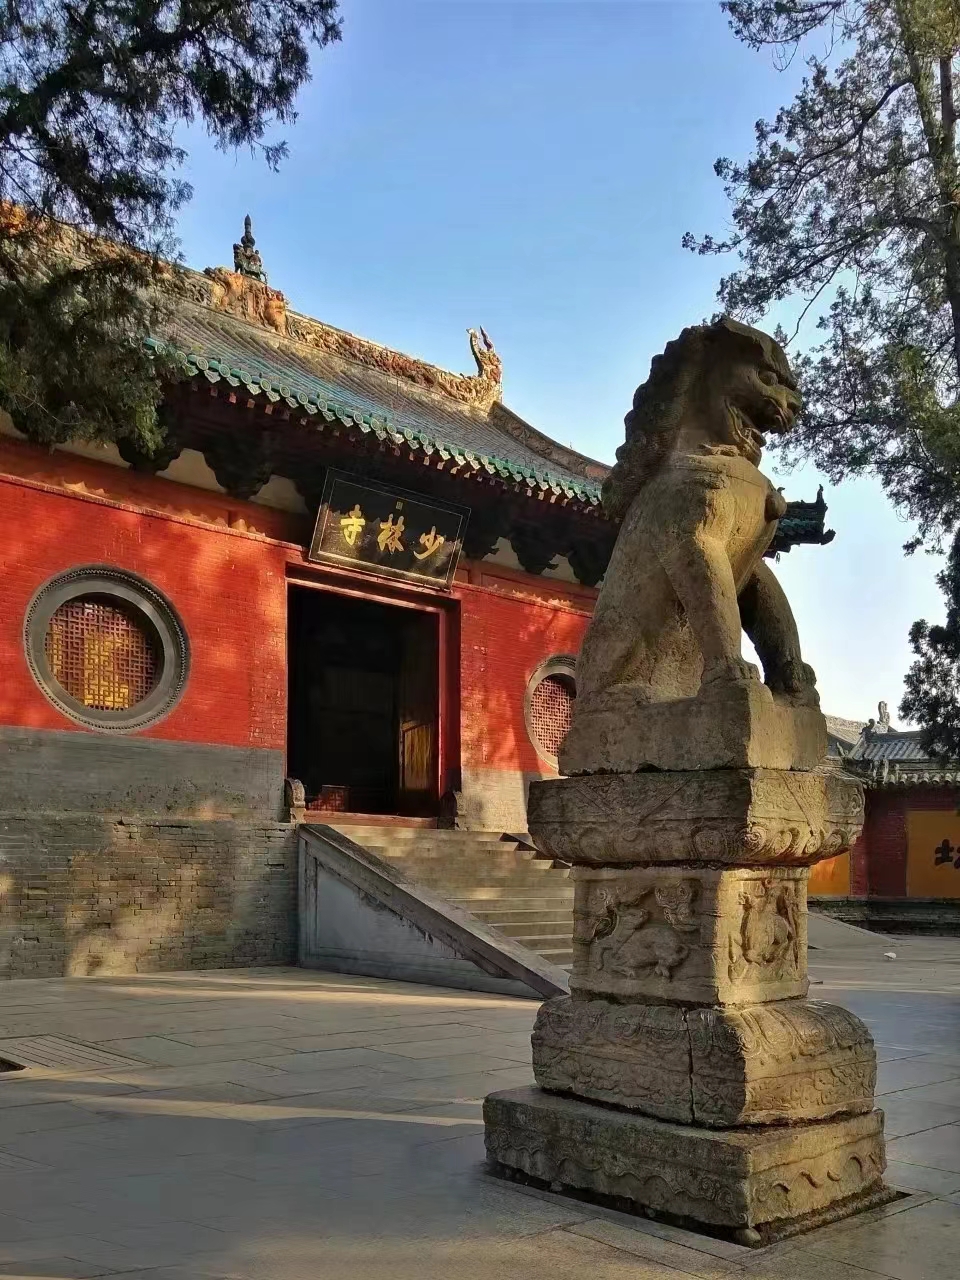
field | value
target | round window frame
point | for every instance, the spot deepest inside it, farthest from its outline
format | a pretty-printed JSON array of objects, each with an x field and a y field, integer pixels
[
  {"x": 150, "y": 609},
  {"x": 561, "y": 664}
]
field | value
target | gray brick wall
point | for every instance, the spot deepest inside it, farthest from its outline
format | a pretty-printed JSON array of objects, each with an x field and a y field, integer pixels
[
  {"x": 78, "y": 772},
  {"x": 85, "y": 894},
  {"x": 492, "y": 800}
]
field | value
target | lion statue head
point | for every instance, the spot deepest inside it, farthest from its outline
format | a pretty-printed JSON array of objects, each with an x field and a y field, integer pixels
[{"x": 718, "y": 388}]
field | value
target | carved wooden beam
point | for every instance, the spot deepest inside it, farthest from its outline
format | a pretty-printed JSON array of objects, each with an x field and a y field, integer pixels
[
  {"x": 171, "y": 447},
  {"x": 534, "y": 546},
  {"x": 149, "y": 464},
  {"x": 485, "y": 528},
  {"x": 309, "y": 483},
  {"x": 241, "y": 461},
  {"x": 589, "y": 558}
]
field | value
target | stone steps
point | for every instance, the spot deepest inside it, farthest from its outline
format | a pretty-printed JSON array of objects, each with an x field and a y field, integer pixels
[
  {"x": 498, "y": 878},
  {"x": 560, "y": 956},
  {"x": 459, "y": 882},
  {"x": 537, "y": 928},
  {"x": 390, "y": 835},
  {"x": 510, "y": 917}
]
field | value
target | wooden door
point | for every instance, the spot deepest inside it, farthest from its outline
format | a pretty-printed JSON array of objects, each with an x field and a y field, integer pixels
[{"x": 418, "y": 705}]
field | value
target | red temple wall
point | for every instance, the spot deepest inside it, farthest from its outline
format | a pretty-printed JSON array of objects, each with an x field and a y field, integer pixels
[
  {"x": 166, "y": 849},
  {"x": 229, "y": 590},
  {"x": 229, "y": 586},
  {"x": 503, "y": 641},
  {"x": 902, "y": 832},
  {"x": 105, "y": 483},
  {"x": 895, "y": 854},
  {"x": 882, "y": 848},
  {"x": 199, "y": 870},
  {"x": 506, "y": 632}
]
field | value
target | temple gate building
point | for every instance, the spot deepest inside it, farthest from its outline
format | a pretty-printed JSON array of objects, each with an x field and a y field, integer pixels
[
  {"x": 351, "y": 586},
  {"x": 351, "y": 581}
]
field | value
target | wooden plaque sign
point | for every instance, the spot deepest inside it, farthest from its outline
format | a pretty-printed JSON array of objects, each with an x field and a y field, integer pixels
[{"x": 370, "y": 527}]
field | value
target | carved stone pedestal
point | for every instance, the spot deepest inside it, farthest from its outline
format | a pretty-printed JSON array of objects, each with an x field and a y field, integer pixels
[
  {"x": 700, "y": 936},
  {"x": 738, "y": 1179},
  {"x": 727, "y": 727},
  {"x": 765, "y": 1064},
  {"x": 728, "y": 1098},
  {"x": 730, "y": 817}
]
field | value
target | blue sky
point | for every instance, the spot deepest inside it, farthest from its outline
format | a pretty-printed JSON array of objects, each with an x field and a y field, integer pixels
[{"x": 530, "y": 165}]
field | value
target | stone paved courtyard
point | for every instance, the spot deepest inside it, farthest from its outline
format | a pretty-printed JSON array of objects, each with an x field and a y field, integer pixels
[{"x": 283, "y": 1124}]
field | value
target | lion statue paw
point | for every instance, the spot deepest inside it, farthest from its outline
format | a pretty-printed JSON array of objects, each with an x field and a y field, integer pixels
[{"x": 730, "y": 671}]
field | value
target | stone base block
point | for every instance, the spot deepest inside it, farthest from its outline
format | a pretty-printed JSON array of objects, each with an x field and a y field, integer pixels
[
  {"x": 729, "y": 817},
  {"x": 727, "y": 726},
  {"x": 770, "y": 1064},
  {"x": 790, "y": 1061},
  {"x": 690, "y": 935},
  {"x": 632, "y": 1055},
  {"x": 740, "y": 1179}
]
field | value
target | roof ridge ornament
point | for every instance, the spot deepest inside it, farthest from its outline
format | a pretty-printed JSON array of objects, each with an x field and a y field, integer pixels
[
  {"x": 246, "y": 256},
  {"x": 482, "y": 389},
  {"x": 489, "y": 364},
  {"x": 245, "y": 293}
]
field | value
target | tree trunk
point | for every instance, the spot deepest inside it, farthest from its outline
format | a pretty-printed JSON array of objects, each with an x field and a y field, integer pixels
[
  {"x": 950, "y": 196},
  {"x": 939, "y": 129}
]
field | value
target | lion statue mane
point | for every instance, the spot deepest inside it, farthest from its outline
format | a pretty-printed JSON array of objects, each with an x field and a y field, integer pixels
[{"x": 687, "y": 573}]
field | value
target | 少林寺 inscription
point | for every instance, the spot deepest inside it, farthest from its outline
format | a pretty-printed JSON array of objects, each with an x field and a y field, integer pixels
[{"x": 376, "y": 529}]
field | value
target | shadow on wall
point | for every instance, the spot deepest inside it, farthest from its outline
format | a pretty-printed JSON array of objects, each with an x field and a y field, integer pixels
[{"x": 92, "y": 896}]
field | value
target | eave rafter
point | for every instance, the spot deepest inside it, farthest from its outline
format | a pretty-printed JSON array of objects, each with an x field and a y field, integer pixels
[
  {"x": 224, "y": 381},
  {"x": 280, "y": 438},
  {"x": 889, "y": 774},
  {"x": 571, "y": 522}
]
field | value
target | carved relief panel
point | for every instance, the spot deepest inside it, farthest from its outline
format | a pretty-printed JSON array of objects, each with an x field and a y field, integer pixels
[
  {"x": 635, "y": 1056},
  {"x": 788, "y": 1060},
  {"x": 690, "y": 936},
  {"x": 730, "y": 817}
]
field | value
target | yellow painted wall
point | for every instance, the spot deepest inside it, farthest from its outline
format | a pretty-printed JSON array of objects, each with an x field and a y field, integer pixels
[
  {"x": 830, "y": 878},
  {"x": 926, "y": 832}
]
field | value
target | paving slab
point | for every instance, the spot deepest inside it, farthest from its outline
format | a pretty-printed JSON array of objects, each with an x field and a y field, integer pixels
[
  {"x": 919, "y": 1244},
  {"x": 938, "y": 1148},
  {"x": 919, "y": 1177},
  {"x": 281, "y": 1124}
]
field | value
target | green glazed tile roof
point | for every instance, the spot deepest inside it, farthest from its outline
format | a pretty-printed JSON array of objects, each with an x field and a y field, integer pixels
[{"x": 219, "y": 348}]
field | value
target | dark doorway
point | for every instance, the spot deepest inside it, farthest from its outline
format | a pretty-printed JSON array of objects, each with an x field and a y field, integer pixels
[{"x": 362, "y": 727}]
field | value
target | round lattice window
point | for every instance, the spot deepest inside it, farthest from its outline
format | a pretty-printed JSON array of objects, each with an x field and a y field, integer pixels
[
  {"x": 106, "y": 648},
  {"x": 549, "y": 710},
  {"x": 101, "y": 654}
]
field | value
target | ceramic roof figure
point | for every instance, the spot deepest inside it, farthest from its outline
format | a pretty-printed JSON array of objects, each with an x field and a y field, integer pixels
[{"x": 246, "y": 256}]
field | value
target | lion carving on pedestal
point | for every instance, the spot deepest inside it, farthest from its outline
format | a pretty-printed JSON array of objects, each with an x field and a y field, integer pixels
[{"x": 687, "y": 575}]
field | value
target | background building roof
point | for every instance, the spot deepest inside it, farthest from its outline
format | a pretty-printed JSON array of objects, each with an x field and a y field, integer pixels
[
  {"x": 882, "y": 756},
  {"x": 844, "y": 732}
]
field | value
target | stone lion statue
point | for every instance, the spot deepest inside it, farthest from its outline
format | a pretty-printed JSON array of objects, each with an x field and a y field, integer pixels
[{"x": 687, "y": 573}]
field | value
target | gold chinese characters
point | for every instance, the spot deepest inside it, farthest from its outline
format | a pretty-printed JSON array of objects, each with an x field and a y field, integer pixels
[
  {"x": 390, "y": 539},
  {"x": 431, "y": 541},
  {"x": 352, "y": 525}
]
